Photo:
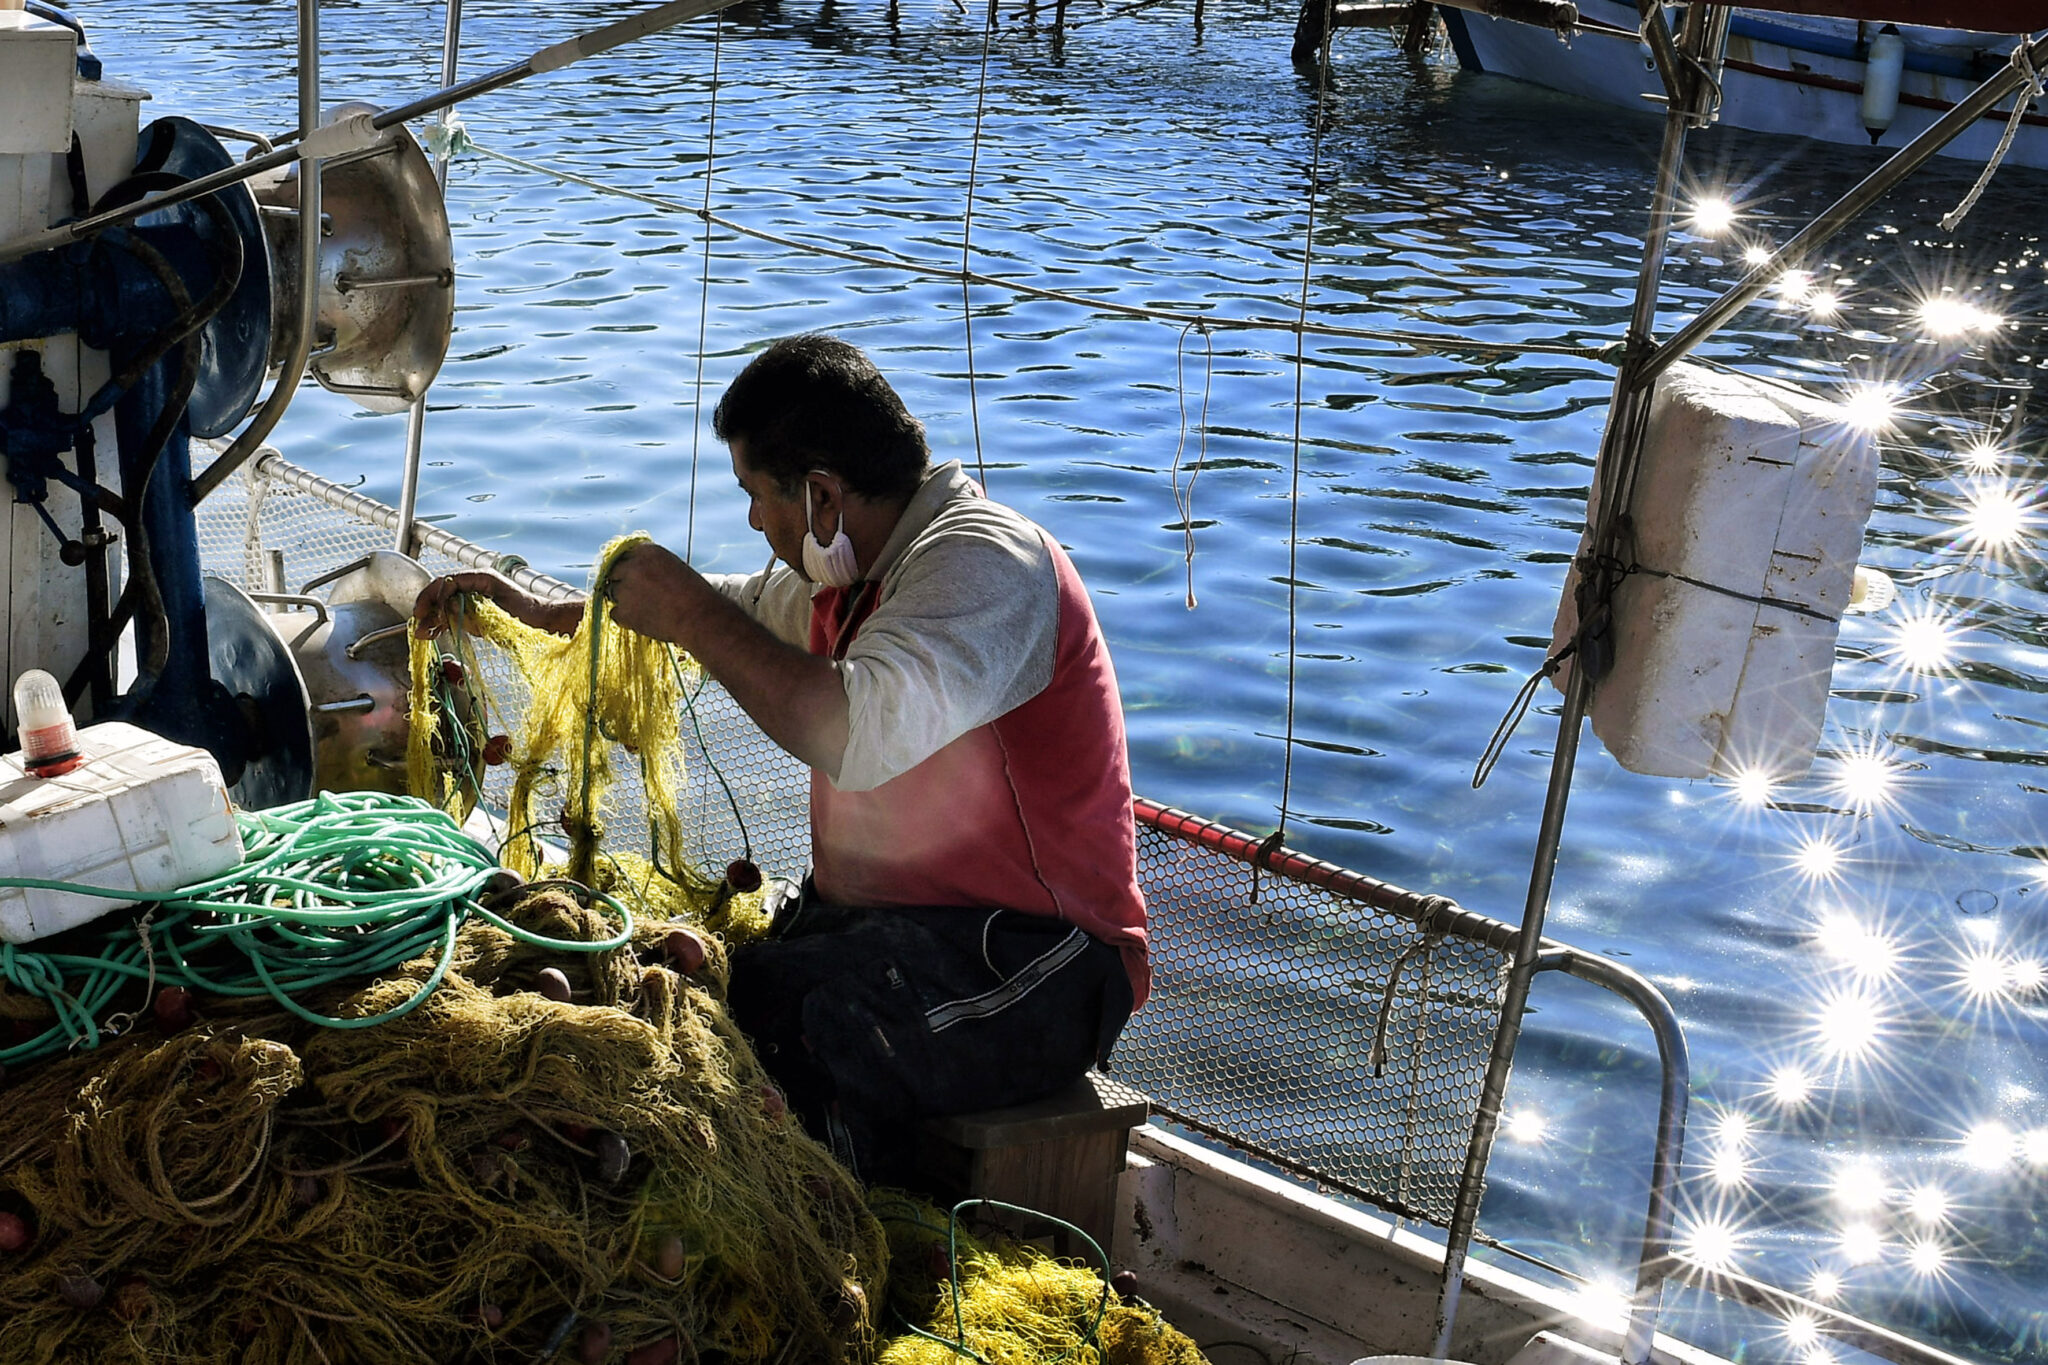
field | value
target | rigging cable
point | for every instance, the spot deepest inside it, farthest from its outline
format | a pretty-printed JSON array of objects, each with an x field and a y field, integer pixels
[
  {"x": 1608, "y": 352},
  {"x": 1308, "y": 242},
  {"x": 1184, "y": 498},
  {"x": 988, "y": 34},
  {"x": 704, "y": 293}
]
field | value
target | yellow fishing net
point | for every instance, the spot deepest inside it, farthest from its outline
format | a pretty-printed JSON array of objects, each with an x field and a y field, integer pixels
[
  {"x": 495, "y": 1170},
  {"x": 1003, "y": 1302},
  {"x": 598, "y": 699}
]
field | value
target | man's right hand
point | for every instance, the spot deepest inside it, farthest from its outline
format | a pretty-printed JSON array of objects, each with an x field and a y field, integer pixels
[{"x": 436, "y": 603}]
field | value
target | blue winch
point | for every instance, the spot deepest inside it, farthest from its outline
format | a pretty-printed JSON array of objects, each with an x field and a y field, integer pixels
[{"x": 157, "y": 331}]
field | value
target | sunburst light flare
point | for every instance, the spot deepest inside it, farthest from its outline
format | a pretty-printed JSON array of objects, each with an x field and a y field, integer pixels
[
  {"x": 1996, "y": 516},
  {"x": 1712, "y": 215},
  {"x": 1946, "y": 315},
  {"x": 1849, "y": 1025},
  {"x": 1861, "y": 1242},
  {"x": 1988, "y": 976},
  {"x": 1981, "y": 457},
  {"x": 1728, "y": 1168},
  {"x": 1603, "y": 1302},
  {"x": 1802, "y": 1331},
  {"x": 1924, "y": 641},
  {"x": 1870, "y": 407},
  {"x": 1867, "y": 951},
  {"x": 2034, "y": 1148},
  {"x": 1752, "y": 786},
  {"x": 1824, "y": 1287},
  {"x": 1818, "y": 859},
  {"x": 1989, "y": 1146},
  {"x": 1858, "y": 1186},
  {"x": 1866, "y": 779},
  {"x": 1790, "y": 1086},
  {"x": 1927, "y": 1257},
  {"x": 1928, "y": 1204},
  {"x": 1711, "y": 1244}
]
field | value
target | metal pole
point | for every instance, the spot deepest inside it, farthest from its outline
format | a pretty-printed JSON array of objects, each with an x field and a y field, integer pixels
[
  {"x": 310, "y": 230},
  {"x": 416, "y": 416},
  {"x": 1706, "y": 30},
  {"x": 1843, "y": 211},
  {"x": 547, "y": 59},
  {"x": 1653, "y": 1262}
]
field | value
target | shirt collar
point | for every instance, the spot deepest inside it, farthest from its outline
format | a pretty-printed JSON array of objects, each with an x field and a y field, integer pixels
[{"x": 941, "y": 486}]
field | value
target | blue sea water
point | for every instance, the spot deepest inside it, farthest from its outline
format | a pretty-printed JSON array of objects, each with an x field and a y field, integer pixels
[{"x": 1138, "y": 156}]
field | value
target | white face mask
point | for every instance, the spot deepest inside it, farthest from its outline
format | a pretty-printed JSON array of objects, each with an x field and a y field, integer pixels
[{"x": 832, "y": 565}]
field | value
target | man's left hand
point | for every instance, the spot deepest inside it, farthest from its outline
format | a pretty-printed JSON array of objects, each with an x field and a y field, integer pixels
[{"x": 650, "y": 589}]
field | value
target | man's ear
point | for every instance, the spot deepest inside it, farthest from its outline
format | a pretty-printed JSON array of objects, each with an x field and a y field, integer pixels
[{"x": 828, "y": 491}]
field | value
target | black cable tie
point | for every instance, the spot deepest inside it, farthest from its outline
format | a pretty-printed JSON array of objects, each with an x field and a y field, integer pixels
[
  {"x": 1796, "y": 608},
  {"x": 1262, "y": 857}
]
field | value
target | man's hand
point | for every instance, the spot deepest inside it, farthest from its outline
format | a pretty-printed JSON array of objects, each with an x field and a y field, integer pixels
[
  {"x": 436, "y": 603},
  {"x": 649, "y": 587}
]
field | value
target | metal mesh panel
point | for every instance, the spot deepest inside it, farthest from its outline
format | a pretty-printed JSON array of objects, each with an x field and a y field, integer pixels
[
  {"x": 1264, "y": 1010},
  {"x": 1263, "y": 1013},
  {"x": 739, "y": 776},
  {"x": 239, "y": 528}
]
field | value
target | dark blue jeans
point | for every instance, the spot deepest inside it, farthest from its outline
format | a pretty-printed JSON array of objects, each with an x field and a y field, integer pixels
[{"x": 872, "y": 1019}]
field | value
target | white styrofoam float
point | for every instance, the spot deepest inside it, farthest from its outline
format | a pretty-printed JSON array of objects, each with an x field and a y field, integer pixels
[
  {"x": 139, "y": 814},
  {"x": 1748, "y": 517}
]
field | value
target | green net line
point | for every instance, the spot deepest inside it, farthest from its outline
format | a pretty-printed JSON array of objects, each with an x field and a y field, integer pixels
[{"x": 329, "y": 890}]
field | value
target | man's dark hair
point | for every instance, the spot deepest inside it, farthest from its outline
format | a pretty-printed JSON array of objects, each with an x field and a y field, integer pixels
[{"x": 816, "y": 402}]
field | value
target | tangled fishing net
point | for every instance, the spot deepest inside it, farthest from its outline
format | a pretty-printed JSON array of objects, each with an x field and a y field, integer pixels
[
  {"x": 491, "y": 1171},
  {"x": 1003, "y": 1302},
  {"x": 595, "y": 697},
  {"x": 371, "y": 1099}
]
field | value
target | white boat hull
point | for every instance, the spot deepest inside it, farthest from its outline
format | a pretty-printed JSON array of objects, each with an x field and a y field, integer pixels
[{"x": 1794, "y": 87}]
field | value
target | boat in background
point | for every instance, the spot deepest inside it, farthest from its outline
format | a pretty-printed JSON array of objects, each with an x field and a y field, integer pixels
[{"x": 1798, "y": 74}]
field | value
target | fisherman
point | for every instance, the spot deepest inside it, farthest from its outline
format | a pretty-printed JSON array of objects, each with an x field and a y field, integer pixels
[{"x": 971, "y": 934}]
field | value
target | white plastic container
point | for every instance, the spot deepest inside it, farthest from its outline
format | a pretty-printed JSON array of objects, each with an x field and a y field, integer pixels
[
  {"x": 37, "y": 59},
  {"x": 1758, "y": 494},
  {"x": 140, "y": 814}
]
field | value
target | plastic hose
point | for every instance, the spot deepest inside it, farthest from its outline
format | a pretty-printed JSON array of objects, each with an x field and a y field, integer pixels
[{"x": 334, "y": 889}]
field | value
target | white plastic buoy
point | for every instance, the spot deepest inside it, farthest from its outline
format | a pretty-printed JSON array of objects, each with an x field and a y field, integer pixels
[
  {"x": 1873, "y": 591},
  {"x": 1882, "y": 71},
  {"x": 1748, "y": 509}
]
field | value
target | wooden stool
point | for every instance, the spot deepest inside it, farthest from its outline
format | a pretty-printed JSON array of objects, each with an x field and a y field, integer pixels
[{"x": 1060, "y": 1156}]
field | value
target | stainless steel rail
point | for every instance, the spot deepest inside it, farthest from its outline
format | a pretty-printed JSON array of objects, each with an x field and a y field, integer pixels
[
  {"x": 1704, "y": 36},
  {"x": 274, "y": 467},
  {"x": 1654, "y": 1263},
  {"x": 416, "y": 414}
]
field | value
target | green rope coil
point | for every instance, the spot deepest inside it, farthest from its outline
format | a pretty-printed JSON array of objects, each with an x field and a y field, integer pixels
[{"x": 337, "y": 888}]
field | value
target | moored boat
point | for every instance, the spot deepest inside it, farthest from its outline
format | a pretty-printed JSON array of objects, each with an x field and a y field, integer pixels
[{"x": 1797, "y": 74}]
